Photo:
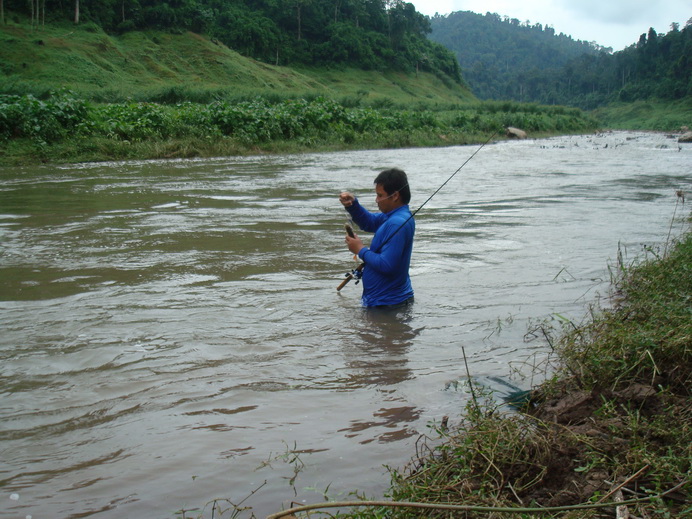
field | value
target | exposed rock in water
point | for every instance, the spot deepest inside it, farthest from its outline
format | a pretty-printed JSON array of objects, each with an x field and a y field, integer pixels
[
  {"x": 685, "y": 137},
  {"x": 515, "y": 133}
]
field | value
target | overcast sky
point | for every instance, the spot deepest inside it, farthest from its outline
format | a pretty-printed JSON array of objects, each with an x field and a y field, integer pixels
[{"x": 610, "y": 23}]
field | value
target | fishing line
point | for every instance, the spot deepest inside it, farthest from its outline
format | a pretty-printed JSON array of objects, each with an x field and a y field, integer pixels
[
  {"x": 457, "y": 171},
  {"x": 357, "y": 272},
  {"x": 438, "y": 189}
]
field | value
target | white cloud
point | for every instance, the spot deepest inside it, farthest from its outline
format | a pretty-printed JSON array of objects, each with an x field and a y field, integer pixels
[
  {"x": 610, "y": 23},
  {"x": 612, "y": 12}
]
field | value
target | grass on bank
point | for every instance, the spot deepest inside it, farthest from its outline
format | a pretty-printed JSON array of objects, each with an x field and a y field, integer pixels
[
  {"x": 612, "y": 425},
  {"x": 654, "y": 115},
  {"x": 160, "y": 66}
]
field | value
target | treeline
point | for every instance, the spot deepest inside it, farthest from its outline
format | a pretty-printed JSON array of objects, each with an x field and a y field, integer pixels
[
  {"x": 367, "y": 34},
  {"x": 498, "y": 53},
  {"x": 657, "y": 66},
  {"x": 502, "y": 58}
]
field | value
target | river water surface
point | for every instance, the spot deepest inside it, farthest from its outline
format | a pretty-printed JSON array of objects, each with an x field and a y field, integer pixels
[{"x": 171, "y": 332}]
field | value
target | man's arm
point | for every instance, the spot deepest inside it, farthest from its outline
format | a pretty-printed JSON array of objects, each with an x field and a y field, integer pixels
[
  {"x": 388, "y": 260},
  {"x": 366, "y": 220}
]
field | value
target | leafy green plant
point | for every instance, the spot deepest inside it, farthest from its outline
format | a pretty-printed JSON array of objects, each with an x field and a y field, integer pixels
[
  {"x": 45, "y": 121},
  {"x": 64, "y": 121},
  {"x": 133, "y": 121}
]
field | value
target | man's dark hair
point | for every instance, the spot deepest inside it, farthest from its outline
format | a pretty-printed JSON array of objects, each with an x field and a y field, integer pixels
[{"x": 393, "y": 180}]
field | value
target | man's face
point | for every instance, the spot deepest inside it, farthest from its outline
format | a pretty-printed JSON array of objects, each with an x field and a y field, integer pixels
[{"x": 386, "y": 202}]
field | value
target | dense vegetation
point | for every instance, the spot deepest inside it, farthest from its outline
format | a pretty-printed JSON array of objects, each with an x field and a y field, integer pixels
[
  {"x": 498, "y": 55},
  {"x": 505, "y": 59},
  {"x": 76, "y": 93},
  {"x": 147, "y": 66},
  {"x": 65, "y": 128},
  {"x": 366, "y": 34},
  {"x": 654, "y": 115}
]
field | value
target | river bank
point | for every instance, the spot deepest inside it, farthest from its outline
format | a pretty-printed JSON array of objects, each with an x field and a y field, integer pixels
[
  {"x": 608, "y": 435},
  {"x": 65, "y": 128}
]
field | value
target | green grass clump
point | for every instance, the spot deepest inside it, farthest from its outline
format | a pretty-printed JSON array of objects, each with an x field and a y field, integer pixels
[
  {"x": 43, "y": 121},
  {"x": 646, "y": 338}
]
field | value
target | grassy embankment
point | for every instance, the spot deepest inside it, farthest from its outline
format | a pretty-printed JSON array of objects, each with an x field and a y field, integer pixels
[
  {"x": 652, "y": 115},
  {"x": 158, "y": 66},
  {"x": 158, "y": 95},
  {"x": 612, "y": 424}
]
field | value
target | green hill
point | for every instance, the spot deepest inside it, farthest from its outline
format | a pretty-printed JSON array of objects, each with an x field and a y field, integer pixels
[
  {"x": 499, "y": 56},
  {"x": 74, "y": 93},
  {"x": 164, "y": 66},
  {"x": 503, "y": 58}
]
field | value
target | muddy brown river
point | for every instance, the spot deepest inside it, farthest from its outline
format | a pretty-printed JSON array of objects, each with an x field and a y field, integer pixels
[{"x": 171, "y": 330}]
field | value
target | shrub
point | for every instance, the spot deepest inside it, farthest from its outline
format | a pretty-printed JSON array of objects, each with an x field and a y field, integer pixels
[{"x": 46, "y": 121}]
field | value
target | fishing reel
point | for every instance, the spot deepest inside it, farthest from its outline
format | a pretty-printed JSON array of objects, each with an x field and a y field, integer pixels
[{"x": 356, "y": 274}]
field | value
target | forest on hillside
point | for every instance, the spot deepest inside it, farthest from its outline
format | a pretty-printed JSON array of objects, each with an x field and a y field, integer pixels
[
  {"x": 501, "y": 58},
  {"x": 367, "y": 34},
  {"x": 504, "y": 59}
]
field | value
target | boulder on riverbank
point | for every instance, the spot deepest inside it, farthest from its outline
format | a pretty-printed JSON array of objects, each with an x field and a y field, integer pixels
[
  {"x": 685, "y": 137},
  {"x": 515, "y": 133}
]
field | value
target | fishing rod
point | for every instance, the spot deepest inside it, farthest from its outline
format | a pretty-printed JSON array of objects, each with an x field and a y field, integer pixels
[{"x": 356, "y": 273}]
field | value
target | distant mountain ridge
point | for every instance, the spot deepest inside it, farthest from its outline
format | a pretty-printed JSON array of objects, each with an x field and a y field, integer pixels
[
  {"x": 503, "y": 59},
  {"x": 496, "y": 52}
]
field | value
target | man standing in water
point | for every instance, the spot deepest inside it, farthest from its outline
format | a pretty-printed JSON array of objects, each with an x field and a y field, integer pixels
[{"x": 386, "y": 281}]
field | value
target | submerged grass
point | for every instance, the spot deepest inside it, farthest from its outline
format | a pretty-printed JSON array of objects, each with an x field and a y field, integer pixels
[{"x": 609, "y": 433}]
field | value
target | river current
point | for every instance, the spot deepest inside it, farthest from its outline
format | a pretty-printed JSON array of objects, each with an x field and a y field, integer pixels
[{"x": 171, "y": 331}]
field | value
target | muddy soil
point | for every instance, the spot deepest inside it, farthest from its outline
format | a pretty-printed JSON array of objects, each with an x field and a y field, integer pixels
[{"x": 594, "y": 441}]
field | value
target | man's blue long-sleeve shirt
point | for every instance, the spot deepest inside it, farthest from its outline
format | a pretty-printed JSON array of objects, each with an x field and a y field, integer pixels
[{"x": 386, "y": 278}]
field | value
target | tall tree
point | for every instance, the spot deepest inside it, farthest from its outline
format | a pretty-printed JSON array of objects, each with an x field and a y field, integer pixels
[
  {"x": 32, "y": 6},
  {"x": 299, "y": 5},
  {"x": 337, "y": 10},
  {"x": 76, "y": 11}
]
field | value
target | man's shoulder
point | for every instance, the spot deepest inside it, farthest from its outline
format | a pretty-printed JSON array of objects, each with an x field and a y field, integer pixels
[
  {"x": 398, "y": 219},
  {"x": 400, "y": 214},
  {"x": 401, "y": 211}
]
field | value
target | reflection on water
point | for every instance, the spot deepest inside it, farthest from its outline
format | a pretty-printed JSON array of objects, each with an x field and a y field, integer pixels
[
  {"x": 169, "y": 326},
  {"x": 379, "y": 345},
  {"x": 383, "y": 340}
]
